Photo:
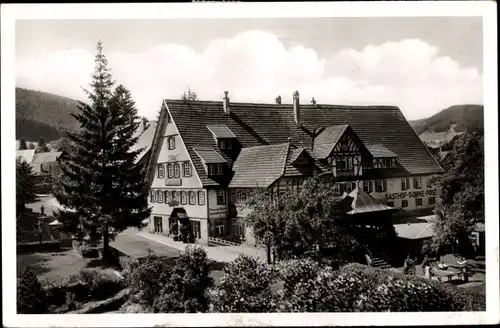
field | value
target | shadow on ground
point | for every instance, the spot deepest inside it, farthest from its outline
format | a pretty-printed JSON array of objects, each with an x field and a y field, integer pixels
[{"x": 102, "y": 264}]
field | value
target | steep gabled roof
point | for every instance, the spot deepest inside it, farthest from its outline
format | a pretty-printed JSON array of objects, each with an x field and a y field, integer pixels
[
  {"x": 221, "y": 131},
  {"x": 301, "y": 170},
  {"x": 209, "y": 156},
  {"x": 48, "y": 157},
  {"x": 259, "y": 166},
  {"x": 379, "y": 151},
  {"x": 295, "y": 153},
  {"x": 27, "y": 155},
  {"x": 327, "y": 139},
  {"x": 269, "y": 124}
]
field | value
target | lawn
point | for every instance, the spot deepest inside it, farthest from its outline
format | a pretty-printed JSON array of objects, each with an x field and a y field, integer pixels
[{"x": 51, "y": 266}]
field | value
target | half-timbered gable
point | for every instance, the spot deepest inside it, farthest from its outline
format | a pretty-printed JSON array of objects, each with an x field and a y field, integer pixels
[{"x": 342, "y": 149}]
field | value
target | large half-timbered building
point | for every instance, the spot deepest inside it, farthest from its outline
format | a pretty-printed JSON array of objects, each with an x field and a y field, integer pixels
[{"x": 206, "y": 157}]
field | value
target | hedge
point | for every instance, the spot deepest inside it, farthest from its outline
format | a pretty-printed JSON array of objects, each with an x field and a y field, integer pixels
[
  {"x": 460, "y": 299},
  {"x": 36, "y": 247},
  {"x": 68, "y": 293}
]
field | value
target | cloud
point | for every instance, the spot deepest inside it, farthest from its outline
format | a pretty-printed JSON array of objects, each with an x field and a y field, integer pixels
[{"x": 256, "y": 66}]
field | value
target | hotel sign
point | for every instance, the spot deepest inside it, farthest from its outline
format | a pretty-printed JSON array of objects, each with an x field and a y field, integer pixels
[
  {"x": 411, "y": 194},
  {"x": 173, "y": 182},
  {"x": 173, "y": 203}
]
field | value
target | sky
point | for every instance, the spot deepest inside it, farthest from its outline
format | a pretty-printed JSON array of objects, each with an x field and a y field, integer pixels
[{"x": 422, "y": 65}]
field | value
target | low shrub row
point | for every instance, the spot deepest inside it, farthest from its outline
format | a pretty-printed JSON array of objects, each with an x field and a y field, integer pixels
[
  {"x": 37, "y": 247},
  {"x": 458, "y": 298},
  {"x": 69, "y": 293},
  {"x": 304, "y": 285}
]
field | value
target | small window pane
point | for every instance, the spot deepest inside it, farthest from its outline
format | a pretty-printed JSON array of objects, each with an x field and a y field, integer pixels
[{"x": 201, "y": 197}]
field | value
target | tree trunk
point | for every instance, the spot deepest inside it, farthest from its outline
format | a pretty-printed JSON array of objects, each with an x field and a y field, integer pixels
[
  {"x": 105, "y": 244},
  {"x": 268, "y": 254}
]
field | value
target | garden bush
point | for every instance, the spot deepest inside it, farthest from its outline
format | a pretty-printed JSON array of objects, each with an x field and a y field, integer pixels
[
  {"x": 460, "y": 299},
  {"x": 295, "y": 272},
  {"x": 310, "y": 287},
  {"x": 31, "y": 297},
  {"x": 89, "y": 251},
  {"x": 246, "y": 287},
  {"x": 146, "y": 276},
  {"x": 58, "y": 289},
  {"x": 37, "y": 247},
  {"x": 185, "y": 289},
  {"x": 404, "y": 296},
  {"x": 101, "y": 283}
]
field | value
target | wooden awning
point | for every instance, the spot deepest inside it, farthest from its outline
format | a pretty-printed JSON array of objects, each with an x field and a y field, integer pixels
[{"x": 361, "y": 202}]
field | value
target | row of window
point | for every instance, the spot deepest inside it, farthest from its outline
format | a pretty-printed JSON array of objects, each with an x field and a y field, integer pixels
[
  {"x": 344, "y": 163},
  {"x": 381, "y": 163},
  {"x": 417, "y": 183},
  {"x": 215, "y": 169},
  {"x": 225, "y": 144},
  {"x": 377, "y": 186},
  {"x": 184, "y": 197},
  {"x": 174, "y": 170},
  {"x": 418, "y": 202},
  {"x": 381, "y": 185}
]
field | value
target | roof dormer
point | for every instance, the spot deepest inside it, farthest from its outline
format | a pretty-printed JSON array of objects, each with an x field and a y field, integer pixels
[
  {"x": 213, "y": 162},
  {"x": 224, "y": 137},
  {"x": 382, "y": 157}
]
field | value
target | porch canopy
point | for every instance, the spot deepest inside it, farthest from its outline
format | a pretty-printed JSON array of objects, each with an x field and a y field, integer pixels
[{"x": 360, "y": 202}]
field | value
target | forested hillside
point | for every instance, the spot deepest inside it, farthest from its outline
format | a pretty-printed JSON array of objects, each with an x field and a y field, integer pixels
[
  {"x": 462, "y": 117},
  {"x": 41, "y": 114}
]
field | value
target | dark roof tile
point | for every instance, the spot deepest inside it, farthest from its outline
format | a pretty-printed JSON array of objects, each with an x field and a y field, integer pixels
[
  {"x": 327, "y": 139},
  {"x": 259, "y": 166},
  {"x": 209, "y": 155},
  {"x": 262, "y": 124},
  {"x": 379, "y": 151},
  {"x": 221, "y": 131}
]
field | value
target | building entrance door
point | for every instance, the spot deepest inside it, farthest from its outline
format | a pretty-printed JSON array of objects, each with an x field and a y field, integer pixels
[
  {"x": 158, "y": 224},
  {"x": 196, "y": 226}
]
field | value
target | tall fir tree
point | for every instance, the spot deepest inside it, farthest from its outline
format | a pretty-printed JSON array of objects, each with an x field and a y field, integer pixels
[
  {"x": 25, "y": 185},
  {"x": 22, "y": 144},
  {"x": 42, "y": 146},
  {"x": 101, "y": 184}
]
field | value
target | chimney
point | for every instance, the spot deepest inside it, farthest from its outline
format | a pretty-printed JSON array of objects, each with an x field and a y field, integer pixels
[
  {"x": 296, "y": 108},
  {"x": 313, "y": 101},
  {"x": 278, "y": 100},
  {"x": 227, "y": 109},
  {"x": 289, "y": 140}
]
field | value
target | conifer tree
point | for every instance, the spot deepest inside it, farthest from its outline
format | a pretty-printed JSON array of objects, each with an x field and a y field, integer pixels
[
  {"x": 42, "y": 146},
  {"x": 25, "y": 185},
  {"x": 22, "y": 144},
  {"x": 30, "y": 294},
  {"x": 101, "y": 183}
]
